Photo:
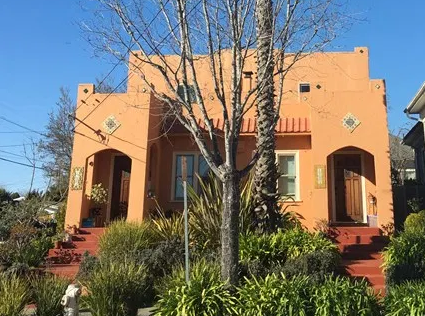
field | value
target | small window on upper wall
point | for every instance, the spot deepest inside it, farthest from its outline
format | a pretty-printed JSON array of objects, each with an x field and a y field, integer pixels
[{"x": 304, "y": 87}]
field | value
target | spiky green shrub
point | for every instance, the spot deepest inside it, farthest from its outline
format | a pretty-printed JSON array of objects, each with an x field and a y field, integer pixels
[
  {"x": 47, "y": 293},
  {"x": 274, "y": 295},
  {"x": 205, "y": 211},
  {"x": 167, "y": 228},
  {"x": 125, "y": 240},
  {"x": 415, "y": 222},
  {"x": 205, "y": 295},
  {"x": 340, "y": 296},
  {"x": 404, "y": 258},
  {"x": 115, "y": 289},
  {"x": 407, "y": 299},
  {"x": 14, "y": 295}
]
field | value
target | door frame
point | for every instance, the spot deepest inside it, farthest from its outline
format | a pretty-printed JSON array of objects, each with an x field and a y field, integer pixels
[
  {"x": 363, "y": 183},
  {"x": 111, "y": 183}
]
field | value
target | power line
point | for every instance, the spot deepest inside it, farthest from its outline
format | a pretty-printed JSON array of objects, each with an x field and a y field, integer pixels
[
  {"x": 19, "y": 132},
  {"x": 20, "y": 145},
  {"x": 128, "y": 50},
  {"x": 20, "y": 163},
  {"x": 21, "y": 126},
  {"x": 21, "y": 156}
]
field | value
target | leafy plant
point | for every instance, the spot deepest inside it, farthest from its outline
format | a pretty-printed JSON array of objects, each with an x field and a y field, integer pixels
[
  {"x": 406, "y": 299},
  {"x": 47, "y": 293},
  {"x": 125, "y": 240},
  {"x": 88, "y": 265},
  {"x": 415, "y": 204},
  {"x": 60, "y": 218},
  {"x": 317, "y": 265},
  {"x": 205, "y": 295},
  {"x": 115, "y": 289},
  {"x": 274, "y": 295},
  {"x": 404, "y": 258},
  {"x": 262, "y": 254},
  {"x": 14, "y": 295},
  {"x": 98, "y": 194},
  {"x": 340, "y": 296},
  {"x": 415, "y": 222}
]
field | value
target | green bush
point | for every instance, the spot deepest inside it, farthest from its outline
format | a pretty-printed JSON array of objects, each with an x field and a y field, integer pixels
[
  {"x": 14, "y": 295},
  {"x": 340, "y": 296},
  {"x": 263, "y": 254},
  {"x": 47, "y": 293},
  {"x": 404, "y": 258},
  {"x": 115, "y": 289},
  {"x": 297, "y": 242},
  {"x": 415, "y": 222},
  {"x": 405, "y": 299},
  {"x": 317, "y": 265},
  {"x": 125, "y": 240},
  {"x": 206, "y": 295},
  {"x": 88, "y": 265},
  {"x": 167, "y": 228},
  {"x": 274, "y": 295},
  {"x": 60, "y": 218}
]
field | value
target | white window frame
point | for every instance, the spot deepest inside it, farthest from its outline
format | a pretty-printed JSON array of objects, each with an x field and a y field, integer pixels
[
  {"x": 196, "y": 155},
  {"x": 296, "y": 155}
]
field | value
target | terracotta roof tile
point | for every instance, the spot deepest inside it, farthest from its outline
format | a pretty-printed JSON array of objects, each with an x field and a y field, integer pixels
[{"x": 283, "y": 126}]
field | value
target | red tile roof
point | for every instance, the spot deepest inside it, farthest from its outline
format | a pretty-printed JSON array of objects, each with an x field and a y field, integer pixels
[{"x": 249, "y": 125}]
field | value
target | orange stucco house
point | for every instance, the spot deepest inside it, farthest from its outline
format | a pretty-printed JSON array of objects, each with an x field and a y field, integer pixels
[{"x": 332, "y": 145}]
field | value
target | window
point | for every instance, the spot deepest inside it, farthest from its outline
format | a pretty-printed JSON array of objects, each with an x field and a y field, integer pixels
[
  {"x": 190, "y": 90},
  {"x": 304, "y": 87},
  {"x": 288, "y": 182},
  {"x": 196, "y": 166}
]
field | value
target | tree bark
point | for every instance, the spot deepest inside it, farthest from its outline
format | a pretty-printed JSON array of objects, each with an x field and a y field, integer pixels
[
  {"x": 230, "y": 228},
  {"x": 265, "y": 176}
]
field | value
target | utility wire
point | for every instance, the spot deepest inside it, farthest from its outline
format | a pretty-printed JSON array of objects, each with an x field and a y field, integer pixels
[
  {"x": 21, "y": 156},
  {"x": 8, "y": 146},
  {"x": 20, "y": 163},
  {"x": 21, "y": 126},
  {"x": 129, "y": 49}
]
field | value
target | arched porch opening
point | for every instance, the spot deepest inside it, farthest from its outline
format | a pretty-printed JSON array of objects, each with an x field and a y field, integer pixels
[
  {"x": 111, "y": 169},
  {"x": 351, "y": 190}
]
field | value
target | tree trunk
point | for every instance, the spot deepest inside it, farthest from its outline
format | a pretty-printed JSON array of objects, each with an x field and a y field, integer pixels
[
  {"x": 230, "y": 228},
  {"x": 265, "y": 176}
]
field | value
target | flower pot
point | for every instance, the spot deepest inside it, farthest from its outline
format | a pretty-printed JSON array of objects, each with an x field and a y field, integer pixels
[
  {"x": 372, "y": 220},
  {"x": 58, "y": 244}
]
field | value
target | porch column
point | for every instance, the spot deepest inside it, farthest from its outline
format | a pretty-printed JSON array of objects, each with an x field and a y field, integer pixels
[{"x": 137, "y": 191}]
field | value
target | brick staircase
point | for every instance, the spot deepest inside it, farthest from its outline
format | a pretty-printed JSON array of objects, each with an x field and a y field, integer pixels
[
  {"x": 66, "y": 261},
  {"x": 361, "y": 249}
]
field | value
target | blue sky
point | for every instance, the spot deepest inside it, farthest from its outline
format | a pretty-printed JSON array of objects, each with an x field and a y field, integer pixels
[{"x": 42, "y": 49}]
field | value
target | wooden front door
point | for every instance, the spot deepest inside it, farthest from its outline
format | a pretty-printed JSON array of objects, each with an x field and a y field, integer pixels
[
  {"x": 120, "y": 187},
  {"x": 348, "y": 187}
]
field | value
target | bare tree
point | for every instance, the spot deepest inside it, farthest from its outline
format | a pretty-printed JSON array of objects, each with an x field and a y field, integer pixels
[
  {"x": 221, "y": 33},
  {"x": 56, "y": 146}
]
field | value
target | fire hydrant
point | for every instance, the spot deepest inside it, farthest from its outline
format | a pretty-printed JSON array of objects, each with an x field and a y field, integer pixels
[{"x": 70, "y": 300}]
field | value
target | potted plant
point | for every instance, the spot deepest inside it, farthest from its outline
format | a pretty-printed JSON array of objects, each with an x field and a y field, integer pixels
[
  {"x": 58, "y": 240},
  {"x": 98, "y": 196}
]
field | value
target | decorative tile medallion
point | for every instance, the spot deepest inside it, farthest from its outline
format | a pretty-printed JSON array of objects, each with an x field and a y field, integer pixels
[
  {"x": 350, "y": 122},
  {"x": 111, "y": 124},
  {"x": 77, "y": 177}
]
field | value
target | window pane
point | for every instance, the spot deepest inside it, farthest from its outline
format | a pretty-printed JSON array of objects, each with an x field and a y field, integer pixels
[
  {"x": 286, "y": 186},
  {"x": 203, "y": 167},
  {"x": 287, "y": 165}
]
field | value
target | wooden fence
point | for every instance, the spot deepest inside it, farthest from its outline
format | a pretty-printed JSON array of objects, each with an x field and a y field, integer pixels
[{"x": 401, "y": 197}]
